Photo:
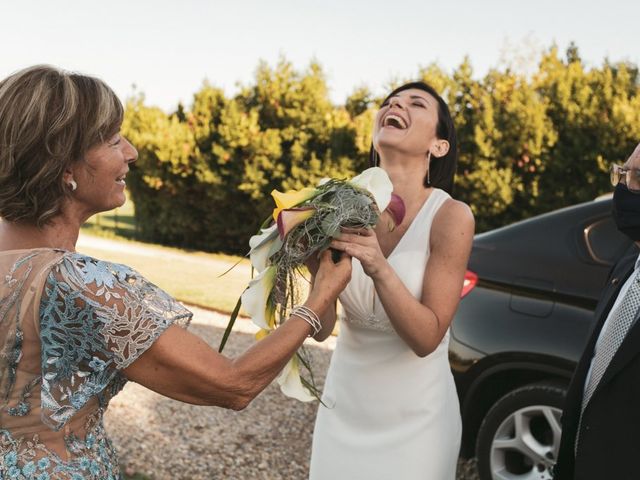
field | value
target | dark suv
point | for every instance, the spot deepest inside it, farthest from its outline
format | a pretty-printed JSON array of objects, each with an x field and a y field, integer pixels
[{"x": 523, "y": 321}]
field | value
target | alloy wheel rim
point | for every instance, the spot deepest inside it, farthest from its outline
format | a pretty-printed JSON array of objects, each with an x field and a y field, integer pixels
[{"x": 525, "y": 445}]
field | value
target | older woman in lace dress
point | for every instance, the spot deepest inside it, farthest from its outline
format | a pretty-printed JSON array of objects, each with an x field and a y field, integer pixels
[{"x": 75, "y": 329}]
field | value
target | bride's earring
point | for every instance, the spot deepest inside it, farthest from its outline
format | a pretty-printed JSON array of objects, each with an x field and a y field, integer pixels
[
  {"x": 73, "y": 185},
  {"x": 429, "y": 168}
]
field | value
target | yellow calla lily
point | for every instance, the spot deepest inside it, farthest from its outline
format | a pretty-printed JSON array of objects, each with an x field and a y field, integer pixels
[
  {"x": 262, "y": 333},
  {"x": 291, "y": 199},
  {"x": 255, "y": 299},
  {"x": 290, "y": 383}
]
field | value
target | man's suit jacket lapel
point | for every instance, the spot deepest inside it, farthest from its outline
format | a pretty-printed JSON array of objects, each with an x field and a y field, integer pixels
[
  {"x": 572, "y": 412},
  {"x": 629, "y": 347},
  {"x": 608, "y": 298},
  {"x": 576, "y": 389}
]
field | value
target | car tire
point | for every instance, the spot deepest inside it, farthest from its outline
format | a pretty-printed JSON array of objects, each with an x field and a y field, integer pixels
[{"x": 520, "y": 435}]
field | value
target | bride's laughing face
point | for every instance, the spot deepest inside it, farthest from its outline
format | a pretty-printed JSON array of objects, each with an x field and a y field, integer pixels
[{"x": 407, "y": 123}]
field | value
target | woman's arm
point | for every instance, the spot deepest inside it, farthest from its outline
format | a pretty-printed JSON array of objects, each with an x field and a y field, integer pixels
[
  {"x": 328, "y": 320},
  {"x": 182, "y": 366},
  {"x": 421, "y": 324}
]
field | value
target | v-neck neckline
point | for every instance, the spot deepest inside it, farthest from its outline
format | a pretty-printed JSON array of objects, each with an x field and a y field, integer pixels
[{"x": 424, "y": 204}]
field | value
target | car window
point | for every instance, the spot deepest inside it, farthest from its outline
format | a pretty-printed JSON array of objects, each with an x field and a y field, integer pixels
[{"x": 604, "y": 241}]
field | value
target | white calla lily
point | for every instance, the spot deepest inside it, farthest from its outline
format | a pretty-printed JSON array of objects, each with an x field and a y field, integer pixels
[
  {"x": 263, "y": 245},
  {"x": 378, "y": 183},
  {"x": 255, "y": 298},
  {"x": 290, "y": 383}
]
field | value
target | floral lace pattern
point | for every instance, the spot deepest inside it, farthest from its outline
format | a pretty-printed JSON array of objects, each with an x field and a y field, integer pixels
[
  {"x": 94, "y": 457},
  {"x": 95, "y": 319}
]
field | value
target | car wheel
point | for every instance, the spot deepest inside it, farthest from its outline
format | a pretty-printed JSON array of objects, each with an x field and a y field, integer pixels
[{"x": 520, "y": 435}]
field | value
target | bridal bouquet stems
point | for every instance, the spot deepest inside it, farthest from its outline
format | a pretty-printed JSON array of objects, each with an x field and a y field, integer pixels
[{"x": 303, "y": 223}]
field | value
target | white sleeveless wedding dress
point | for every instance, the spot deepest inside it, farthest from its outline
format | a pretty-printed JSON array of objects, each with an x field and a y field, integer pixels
[{"x": 389, "y": 414}]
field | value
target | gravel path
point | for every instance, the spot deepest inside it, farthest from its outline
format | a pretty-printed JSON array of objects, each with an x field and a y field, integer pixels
[{"x": 271, "y": 439}]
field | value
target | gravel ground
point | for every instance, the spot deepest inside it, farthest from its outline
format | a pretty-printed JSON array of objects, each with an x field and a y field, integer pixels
[{"x": 271, "y": 439}]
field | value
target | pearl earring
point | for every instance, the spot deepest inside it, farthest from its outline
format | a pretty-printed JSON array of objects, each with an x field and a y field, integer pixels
[{"x": 73, "y": 185}]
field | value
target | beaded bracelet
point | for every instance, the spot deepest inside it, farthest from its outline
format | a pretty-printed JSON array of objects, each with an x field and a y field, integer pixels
[{"x": 308, "y": 316}]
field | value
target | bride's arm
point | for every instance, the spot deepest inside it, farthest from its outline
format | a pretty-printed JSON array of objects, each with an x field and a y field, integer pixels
[{"x": 421, "y": 323}]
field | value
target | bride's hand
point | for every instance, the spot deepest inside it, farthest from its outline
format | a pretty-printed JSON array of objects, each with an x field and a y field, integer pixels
[{"x": 363, "y": 245}]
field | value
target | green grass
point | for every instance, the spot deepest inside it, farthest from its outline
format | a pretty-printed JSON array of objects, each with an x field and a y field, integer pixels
[{"x": 191, "y": 277}]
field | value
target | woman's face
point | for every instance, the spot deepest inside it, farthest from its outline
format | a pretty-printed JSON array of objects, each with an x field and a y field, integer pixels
[
  {"x": 407, "y": 123},
  {"x": 101, "y": 176}
]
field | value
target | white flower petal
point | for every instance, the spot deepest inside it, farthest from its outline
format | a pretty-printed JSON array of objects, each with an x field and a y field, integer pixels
[
  {"x": 376, "y": 181},
  {"x": 290, "y": 383},
  {"x": 255, "y": 240},
  {"x": 263, "y": 245},
  {"x": 254, "y": 298}
]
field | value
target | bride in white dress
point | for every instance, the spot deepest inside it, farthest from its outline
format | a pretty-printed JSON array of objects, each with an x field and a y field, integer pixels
[{"x": 391, "y": 409}]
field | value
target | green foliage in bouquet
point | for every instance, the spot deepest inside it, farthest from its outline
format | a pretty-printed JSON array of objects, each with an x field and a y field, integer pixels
[{"x": 303, "y": 223}]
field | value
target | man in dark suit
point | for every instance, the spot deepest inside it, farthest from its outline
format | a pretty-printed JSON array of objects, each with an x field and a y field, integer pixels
[{"x": 601, "y": 418}]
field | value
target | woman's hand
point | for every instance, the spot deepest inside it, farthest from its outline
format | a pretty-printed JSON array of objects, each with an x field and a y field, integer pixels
[
  {"x": 328, "y": 280},
  {"x": 182, "y": 366},
  {"x": 363, "y": 245},
  {"x": 313, "y": 263},
  {"x": 331, "y": 278}
]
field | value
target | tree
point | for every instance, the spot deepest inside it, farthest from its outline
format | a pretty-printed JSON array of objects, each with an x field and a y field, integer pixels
[{"x": 528, "y": 143}]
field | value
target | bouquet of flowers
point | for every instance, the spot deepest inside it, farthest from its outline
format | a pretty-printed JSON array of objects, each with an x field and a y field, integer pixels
[{"x": 303, "y": 223}]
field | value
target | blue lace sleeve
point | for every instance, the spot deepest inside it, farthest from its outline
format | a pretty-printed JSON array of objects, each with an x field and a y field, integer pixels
[{"x": 96, "y": 318}]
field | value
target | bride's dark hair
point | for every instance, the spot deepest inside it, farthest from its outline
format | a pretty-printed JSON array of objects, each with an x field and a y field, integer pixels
[{"x": 442, "y": 169}]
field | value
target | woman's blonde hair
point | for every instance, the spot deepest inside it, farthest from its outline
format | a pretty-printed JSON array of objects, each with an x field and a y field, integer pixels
[{"x": 49, "y": 119}]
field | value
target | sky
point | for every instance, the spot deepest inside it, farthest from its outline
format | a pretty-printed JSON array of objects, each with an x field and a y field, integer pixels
[{"x": 166, "y": 49}]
